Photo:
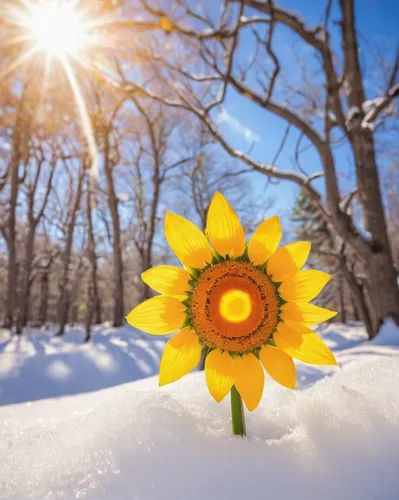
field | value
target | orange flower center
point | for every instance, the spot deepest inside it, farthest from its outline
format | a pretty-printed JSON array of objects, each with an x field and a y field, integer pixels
[{"x": 234, "y": 306}]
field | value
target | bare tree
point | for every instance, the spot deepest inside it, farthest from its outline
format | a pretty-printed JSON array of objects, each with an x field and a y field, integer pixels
[
  {"x": 210, "y": 171},
  {"x": 19, "y": 155},
  {"x": 156, "y": 159},
  {"x": 44, "y": 270},
  {"x": 94, "y": 305},
  {"x": 65, "y": 285},
  {"x": 392, "y": 188},
  {"x": 35, "y": 179},
  {"x": 106, "y": 114},
  {"x": 206, "y": 61}
]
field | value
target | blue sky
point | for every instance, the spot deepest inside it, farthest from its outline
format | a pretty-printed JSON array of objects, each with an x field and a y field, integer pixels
[{"x": 377, "y": 23}]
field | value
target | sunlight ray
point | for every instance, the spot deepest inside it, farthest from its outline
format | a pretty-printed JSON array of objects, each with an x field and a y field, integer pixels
[
  {"x": 93, "y": 66},
  {"x": 12, "y": 41},
  {"x": 83, "y": 114},
  {"x": 44, "y": 86},
  {"x": 20, "y": 60},
  {"x": 65, "y": 30}
]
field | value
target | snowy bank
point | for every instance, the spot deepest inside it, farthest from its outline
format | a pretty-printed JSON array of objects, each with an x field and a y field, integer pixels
[
  {"x": 337, "y": 438},
  {"x": 39, "y": 365}
]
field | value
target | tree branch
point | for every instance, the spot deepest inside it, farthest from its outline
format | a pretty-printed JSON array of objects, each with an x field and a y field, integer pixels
[
  {"x": 311, "y": 37},
  {"x": 380, "y": 105}
]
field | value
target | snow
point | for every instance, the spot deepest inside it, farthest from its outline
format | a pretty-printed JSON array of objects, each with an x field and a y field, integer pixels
[
  {"x": 39, "y": 365},
  {"x": 387, "y": 335},
  {"x": 336, "y": 437},
  {"x": 353, "y": 113},
  {"x": 367, "y": 125}
]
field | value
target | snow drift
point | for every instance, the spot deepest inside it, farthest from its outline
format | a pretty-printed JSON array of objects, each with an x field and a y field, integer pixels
[{"x": 336, "y": 438}]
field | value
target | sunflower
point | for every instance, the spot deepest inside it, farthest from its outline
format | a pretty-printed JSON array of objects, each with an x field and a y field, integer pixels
[{"x": 245, "y": 304}]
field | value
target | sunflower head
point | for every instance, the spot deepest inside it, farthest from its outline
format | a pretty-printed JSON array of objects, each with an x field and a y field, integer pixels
[{"x": 245, "y": 303}]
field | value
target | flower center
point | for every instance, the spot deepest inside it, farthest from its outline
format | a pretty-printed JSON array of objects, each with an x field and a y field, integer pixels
[{"x": 234, "y": 306}]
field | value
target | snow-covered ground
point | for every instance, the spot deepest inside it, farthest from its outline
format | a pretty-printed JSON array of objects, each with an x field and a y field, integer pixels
[
  {"x": 335, "y": 438},
  {"x": 39, "y": 365}
]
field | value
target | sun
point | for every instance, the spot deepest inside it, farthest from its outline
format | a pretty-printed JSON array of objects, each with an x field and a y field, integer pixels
[
  {"x": 57, "y": 27},
  {"x": 67, "y": 33}
]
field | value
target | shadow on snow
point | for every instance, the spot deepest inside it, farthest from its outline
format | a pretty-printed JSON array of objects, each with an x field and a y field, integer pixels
[{"x": 38, "y": 365}]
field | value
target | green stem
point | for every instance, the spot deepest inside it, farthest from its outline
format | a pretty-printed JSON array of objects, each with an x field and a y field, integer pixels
[{"x": 237, "y": 413}]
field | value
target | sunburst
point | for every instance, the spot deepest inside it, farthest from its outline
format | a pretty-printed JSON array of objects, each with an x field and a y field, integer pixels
[
  {"x": 62, "y": 30},
  {"x": 57, "y": 28}
]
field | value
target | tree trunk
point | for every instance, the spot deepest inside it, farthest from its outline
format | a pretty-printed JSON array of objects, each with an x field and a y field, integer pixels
[
  {"x": 26, "y": 283},
  {"x": 356, "y": 316},
  {"x": 91, "y": 306},
  {"x": 74, "y": 314},
  {"x": 341, "y": 299},
  {"x": 43, "y": 297},
  {"x": 89, "y": 312},
  {"x": 88, "y": 322},
  {"x": 380, "y": 271},
  {"x": 358, "y": 298},
  {"x": 382, "y": 288},
  {"x": 117, "y": 245},
  {"x": 97, "y": 312},
  {"x": 11, "y": 237},
  {"x": 92, "y": 293},
  {"x": 65, "y": 283},
  {"x": 147, "y": 254},
  {"x": 379, "y": 267},
  {"x": 33, "y": 221},
  {"x": 19, "y": 147}
]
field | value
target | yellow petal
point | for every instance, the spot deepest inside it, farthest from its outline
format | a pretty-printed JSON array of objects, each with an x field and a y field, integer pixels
[
  {"x": 224, "y": 228},
  {"x": 303, "y": 286},
  {"x": 168, "y": 280},
  {"x": 306, "y": 347},
  {"x": 300, "y": 327},
  {"x": 181, "y": 355},
  {"x": 219, "y": 374},
  {"x": 305, "y": 313},
  {"x": 159, "y": 315},
  {"x": 278, "y": 365},
  {"x": 265, "y": 240},
  {"x": 187, "y": 242},
  {"x": 288, "y": 259},
  {"x": 249, "y": 379}
]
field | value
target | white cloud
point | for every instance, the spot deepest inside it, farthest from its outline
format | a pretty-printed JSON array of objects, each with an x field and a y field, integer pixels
[{"x": 237, "y": 126}]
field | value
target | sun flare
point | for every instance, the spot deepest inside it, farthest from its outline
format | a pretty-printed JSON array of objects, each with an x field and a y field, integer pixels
[
  {"x": 62, "y": 30},
  {"x": 57, "y": 27},
  {"x": 67, "y": 34}
]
